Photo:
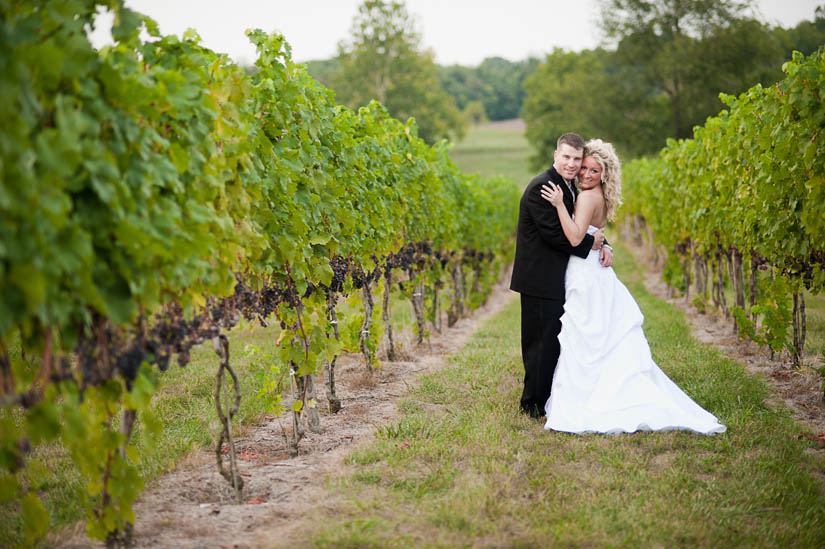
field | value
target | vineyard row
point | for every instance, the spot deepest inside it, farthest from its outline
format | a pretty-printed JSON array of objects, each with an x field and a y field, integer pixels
[
  {"x": 154, "y": 193},
  {"x": 744, "y": 202}
]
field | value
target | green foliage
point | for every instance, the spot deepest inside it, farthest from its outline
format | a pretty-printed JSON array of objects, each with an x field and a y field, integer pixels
[
  {"x": 750, "y": 180},
  {"x": 323, "y": 70},
  {"x": 474, "y": 113},
  {"x": 661, "y": 73},
  {"x": 590, "y": 93},
  {"x": 271, "y": 378},
  {"x": 496, "y": 83},
  {"x": 156, "y": 174},
  {"x": 689, "y": 51},
  {"x": 805, "y": 37},
  {"x": 384, "y": 61}
]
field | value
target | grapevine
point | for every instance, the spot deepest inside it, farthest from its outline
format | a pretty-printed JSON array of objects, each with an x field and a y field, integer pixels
[
  {"x": 154, "y": 194},
  {"x": 746, "y": 193}
]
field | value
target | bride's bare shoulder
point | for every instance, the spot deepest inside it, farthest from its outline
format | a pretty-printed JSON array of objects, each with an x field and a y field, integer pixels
[
  {"x": 593, "y": 201},
  {"x": 592, "y": 196}
]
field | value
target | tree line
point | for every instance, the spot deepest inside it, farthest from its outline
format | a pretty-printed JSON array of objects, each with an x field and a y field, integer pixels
[
  {"x": 657, "y": 74},
  {"x": 660, "y": 73},
  {"x": 383, "y": 59}
]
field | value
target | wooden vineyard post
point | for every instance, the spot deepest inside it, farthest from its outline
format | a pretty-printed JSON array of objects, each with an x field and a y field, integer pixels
[
  {"x": 296, "y": 389},
  {"x": 366, "y": 293},
  {"x": 221, "y": 346},
  {"x": 437, "y": 325},
  {"x": 306, "y": 387},
  {"x": 753, "y": 295},
  {"x": 329, "y": 365},
  {"x": 737, "y": 277},
  {"x": 457, "y": 306},
  {"x": 799, "y": 327},
  {"x": 417, "y": 300},
  {"x": 386, "y": 313}
]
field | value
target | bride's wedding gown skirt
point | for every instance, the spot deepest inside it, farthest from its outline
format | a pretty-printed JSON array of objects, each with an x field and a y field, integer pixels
[{"x": 606, "y": 380}]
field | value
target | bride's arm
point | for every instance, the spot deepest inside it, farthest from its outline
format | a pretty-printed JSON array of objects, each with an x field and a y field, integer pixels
[{"x": 574, "y": 230}]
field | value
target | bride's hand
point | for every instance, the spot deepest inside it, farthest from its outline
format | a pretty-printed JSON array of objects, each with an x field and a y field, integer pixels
[
  {"x": 551, "y": 193},
  {"x": 606, "y": 256}
]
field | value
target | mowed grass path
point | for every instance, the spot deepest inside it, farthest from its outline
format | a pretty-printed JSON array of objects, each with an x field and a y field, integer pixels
[
  {"x": 462, "y": 468},
  {"x": 497, "y": 148}
]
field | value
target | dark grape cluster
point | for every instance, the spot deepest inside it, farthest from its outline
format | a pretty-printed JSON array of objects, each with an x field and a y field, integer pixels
[
  {"x": 759, "y": 261},
  {"x": 340, "y": 269},
  {"x": 443, "y": 257},
  {"x": 359, "y": 277},
  {"x": 103, "y": 351},
  {"x": 258, "y": 304},
  {"x": 475, "y": 257},
  {"x": 415, "y": 256},
  {"x": 391, "y": 261},
  {"x": 805, "y": 267},
  {"x": 682, "y": 248}
]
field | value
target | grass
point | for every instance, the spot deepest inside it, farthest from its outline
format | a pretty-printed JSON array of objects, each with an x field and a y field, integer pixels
[
  {"x": 462, "y": 468},
  {"x": 492, "y": 150},
  {"x": 815, "y": 310},
  {"x": 184, "y": 404}
]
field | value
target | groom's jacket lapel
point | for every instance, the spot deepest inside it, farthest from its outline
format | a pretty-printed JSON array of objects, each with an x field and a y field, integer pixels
[
  {"x": 567, "y": 197},
  {"x": 542, "y": 250}
]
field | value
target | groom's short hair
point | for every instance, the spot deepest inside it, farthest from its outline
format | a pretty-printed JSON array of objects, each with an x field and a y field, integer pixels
[{"x": 572, "y": 139}]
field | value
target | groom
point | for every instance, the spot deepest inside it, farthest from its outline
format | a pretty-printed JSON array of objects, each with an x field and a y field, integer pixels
[{"x": 542, "y": 252}]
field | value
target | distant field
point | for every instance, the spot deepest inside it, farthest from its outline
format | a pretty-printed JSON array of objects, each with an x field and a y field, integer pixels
[{"x": 496, "y": 148}]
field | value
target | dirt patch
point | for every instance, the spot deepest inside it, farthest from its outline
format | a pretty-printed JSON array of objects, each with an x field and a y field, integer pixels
[
  {"x": 799, "y": 389},
  {"x": 193, "y": 505}
]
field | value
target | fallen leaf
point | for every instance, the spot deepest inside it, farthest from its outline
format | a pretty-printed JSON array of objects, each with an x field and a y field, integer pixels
[
  {"x": 256, "y": 501},
  {"x": 818, "y": 439},
  {"x": 248, "y": 454}
]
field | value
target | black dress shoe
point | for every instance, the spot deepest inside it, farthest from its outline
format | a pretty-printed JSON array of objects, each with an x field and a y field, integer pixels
[{"x": 533, "y": 412}]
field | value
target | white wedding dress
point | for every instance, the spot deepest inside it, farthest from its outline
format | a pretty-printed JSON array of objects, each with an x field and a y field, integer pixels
[{"x": 606, "y": 380}]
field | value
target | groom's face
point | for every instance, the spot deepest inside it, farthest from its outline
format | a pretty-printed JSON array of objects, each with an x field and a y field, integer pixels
[{"x": 567, "y": 161}]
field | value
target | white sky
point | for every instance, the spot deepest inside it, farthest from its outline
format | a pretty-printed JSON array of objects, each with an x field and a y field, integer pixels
[{"x": 458, "y": 31}]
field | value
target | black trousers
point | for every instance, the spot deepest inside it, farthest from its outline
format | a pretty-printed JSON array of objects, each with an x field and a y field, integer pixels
[{"x": 540, "y": 327}]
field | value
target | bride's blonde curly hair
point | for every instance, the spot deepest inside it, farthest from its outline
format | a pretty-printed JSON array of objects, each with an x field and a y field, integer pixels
[{"x": 606, "y": 156}]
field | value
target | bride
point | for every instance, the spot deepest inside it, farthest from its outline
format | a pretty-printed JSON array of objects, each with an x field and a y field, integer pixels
[{"x": 606, "y": 380}]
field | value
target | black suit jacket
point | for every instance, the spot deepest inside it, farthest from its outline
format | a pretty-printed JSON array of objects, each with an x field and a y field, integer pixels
[{"x": 542, "y": 250}]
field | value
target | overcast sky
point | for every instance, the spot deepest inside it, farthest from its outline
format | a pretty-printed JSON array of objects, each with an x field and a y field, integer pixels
[{"x": 458, "y": 31}]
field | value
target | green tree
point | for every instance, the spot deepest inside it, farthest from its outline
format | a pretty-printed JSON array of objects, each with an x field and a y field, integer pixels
[
  {"x": 505, "y": 79},
  {"x": 384, "y": 60},
  {"x": 474, "y": 113},
  {"x": 579, "y": 92},
  {"x": 690, "y": 50},
  {"x": 806, "y": 37},
  {"x": 497, "y": 83},
  {"x": 464, "y": 85},
  {"x": 323, "y": 70}
]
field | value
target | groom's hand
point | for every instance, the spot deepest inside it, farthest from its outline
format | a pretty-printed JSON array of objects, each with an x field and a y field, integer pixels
[
  {"x": 606, "y": 256},
  {"x": 598, "y": 239}
]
